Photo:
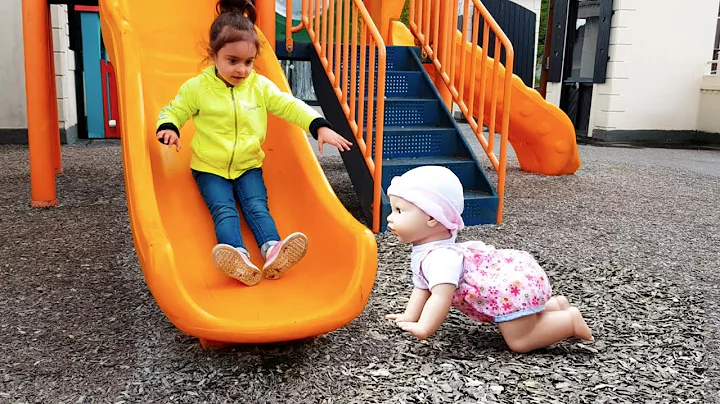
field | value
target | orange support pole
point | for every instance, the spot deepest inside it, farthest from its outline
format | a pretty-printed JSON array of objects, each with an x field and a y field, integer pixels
[
  {"x": 382, "y": 13},
  {"x": 266, "y": 20},
  {"x": 53, "y": 108},
  {"x": 36, "y": 32}
]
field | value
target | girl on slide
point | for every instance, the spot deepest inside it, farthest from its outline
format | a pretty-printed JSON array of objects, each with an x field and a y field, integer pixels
[{"x": 228, "y": 103}]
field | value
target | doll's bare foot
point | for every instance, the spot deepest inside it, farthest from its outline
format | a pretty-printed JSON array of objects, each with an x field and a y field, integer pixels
[
  {"x": 556, "y": 303},
  {"x": 400, "y": 318},
  {"x": 581, "y": 328}
]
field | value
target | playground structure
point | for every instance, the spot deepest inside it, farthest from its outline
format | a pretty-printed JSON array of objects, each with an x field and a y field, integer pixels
[{"x": 409, "y": 125}]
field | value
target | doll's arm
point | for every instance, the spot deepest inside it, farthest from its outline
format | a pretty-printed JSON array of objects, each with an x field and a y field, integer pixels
[
  {"x": 433, "y": 313},
  {"x": 414, "y": 307}
]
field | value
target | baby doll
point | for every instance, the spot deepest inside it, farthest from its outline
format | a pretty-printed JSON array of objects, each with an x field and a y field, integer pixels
[{"x": 501, "y": 286}]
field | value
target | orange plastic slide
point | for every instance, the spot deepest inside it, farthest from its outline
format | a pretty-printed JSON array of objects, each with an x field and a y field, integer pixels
[
  {"x": 541, "y": 134},
  {"x": 155, "y": 45}
]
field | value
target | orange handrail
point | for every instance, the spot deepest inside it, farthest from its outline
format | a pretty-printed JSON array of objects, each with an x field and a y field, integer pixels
[
  {"x": 434, "y": 24},
  {"x": 335, "y": 35},
  {"x": 289, "y": 28}
]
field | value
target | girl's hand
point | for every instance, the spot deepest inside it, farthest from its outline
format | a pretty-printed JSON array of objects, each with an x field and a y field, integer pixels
[
  {"x": 169, "y": 137},
  {"x": 329, "y": 136}
]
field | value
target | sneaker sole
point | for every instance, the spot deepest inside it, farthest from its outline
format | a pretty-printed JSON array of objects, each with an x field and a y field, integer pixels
[
  {"x": 292, "y": 251},
  {"x": 229, "y": 261}
]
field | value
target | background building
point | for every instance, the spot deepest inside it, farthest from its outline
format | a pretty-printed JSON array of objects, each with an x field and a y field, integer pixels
[{"x": 621, "y": 69}]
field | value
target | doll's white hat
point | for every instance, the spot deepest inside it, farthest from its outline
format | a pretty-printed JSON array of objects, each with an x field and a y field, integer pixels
[{"x": 436, "y": 190}]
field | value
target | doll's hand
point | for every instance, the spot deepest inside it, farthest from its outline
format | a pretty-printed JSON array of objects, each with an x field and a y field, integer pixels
[
  {"x": 414, "y": 328},
  {"x": 399, "y": 317},
  {"x": 329, "y": 136},
  {"x": 169, "y": 137}
]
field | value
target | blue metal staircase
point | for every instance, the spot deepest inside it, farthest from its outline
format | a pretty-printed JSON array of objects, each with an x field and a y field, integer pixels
[{"x": 418, "y": 130}]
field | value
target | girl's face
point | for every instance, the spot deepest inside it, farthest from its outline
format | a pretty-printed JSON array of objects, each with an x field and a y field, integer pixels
[
  {"x": 234, "y": 61},
  {"x": 409, "y": 223}
]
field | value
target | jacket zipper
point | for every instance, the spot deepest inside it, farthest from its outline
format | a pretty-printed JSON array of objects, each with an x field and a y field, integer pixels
[{"x": 232, "y": 156}]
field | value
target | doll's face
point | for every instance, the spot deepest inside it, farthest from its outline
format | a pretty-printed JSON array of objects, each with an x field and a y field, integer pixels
[{"x": 410, "y": 224}]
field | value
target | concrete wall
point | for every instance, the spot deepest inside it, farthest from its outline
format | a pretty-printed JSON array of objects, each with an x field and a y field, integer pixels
[
  {"x": 709, "y": 107},
  {"x": 12, "y": 80},
  {"x": 658, "y": 53},
  {"x": 13, "y": 104},
  {"x": 64, "y": 73}
]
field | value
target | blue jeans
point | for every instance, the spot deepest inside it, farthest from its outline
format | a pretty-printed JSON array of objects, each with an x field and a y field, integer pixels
[{"x": 220, "y": 195}]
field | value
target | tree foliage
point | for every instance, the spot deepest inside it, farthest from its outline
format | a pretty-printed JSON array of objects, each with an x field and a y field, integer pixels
[
  {"x": 405, "y": 16},
  {"x": 544, "y": 8}
]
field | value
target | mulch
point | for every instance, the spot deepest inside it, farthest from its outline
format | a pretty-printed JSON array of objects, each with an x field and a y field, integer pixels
[{"x": 633, "y": 245}]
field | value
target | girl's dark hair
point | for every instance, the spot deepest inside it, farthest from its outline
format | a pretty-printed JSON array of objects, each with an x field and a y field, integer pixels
[{"x": 235, "y": 22}]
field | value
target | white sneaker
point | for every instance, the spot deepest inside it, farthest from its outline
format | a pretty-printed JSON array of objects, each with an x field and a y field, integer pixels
[
  {"x": 235, "y": 264},
  {"x": 285, "y": 254}
]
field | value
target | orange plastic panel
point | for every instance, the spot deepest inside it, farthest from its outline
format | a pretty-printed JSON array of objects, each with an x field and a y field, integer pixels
[{"x": 172, "y": 228}]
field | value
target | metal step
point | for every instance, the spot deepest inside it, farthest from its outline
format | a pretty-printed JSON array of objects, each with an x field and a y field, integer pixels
[
  {"x": 479, "y": 208},
  {"x": 464, "y": 167},
  {"x": 397, "y": 58},
  {"x": 420, "y": 141},
  {"x": 411, "y": 112},
  {"x": 418, "y": 130},
  {"x": 398, "y": 84},
  {"x": 481, "y": 200}
]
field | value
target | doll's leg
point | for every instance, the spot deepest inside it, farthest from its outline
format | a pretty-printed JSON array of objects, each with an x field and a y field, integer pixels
[
  {"x": 556, "y": 303},
  {"x": 541, "y": 330}
]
